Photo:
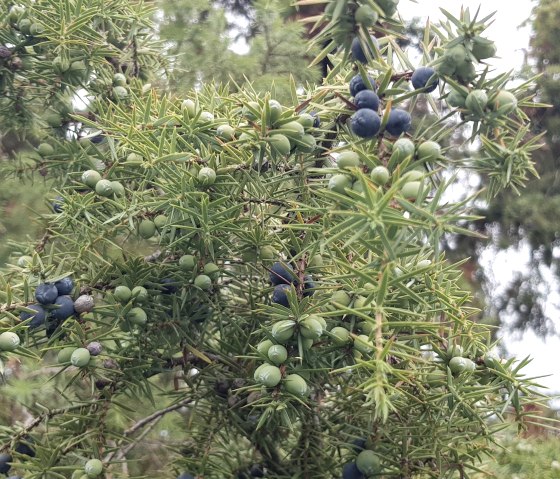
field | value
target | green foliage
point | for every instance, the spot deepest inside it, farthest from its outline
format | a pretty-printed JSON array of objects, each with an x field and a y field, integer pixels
[{"x": 219, "y": 227}]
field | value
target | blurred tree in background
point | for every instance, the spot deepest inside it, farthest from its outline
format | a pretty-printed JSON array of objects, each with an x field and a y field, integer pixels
[{"x": 203, "y": 41}]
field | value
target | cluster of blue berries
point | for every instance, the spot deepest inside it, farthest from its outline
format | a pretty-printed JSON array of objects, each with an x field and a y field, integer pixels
[
  {"x": 366, "y": 122},
  {"x": 55, "y": 305},
  {"x": 282, "y": 277}
]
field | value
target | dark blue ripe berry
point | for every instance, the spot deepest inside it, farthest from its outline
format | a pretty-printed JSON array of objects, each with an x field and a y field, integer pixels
[
  {"x": 359, "y": 444},
  {"x": 256, "y": 471},
  {"x": 280, "y": 294},
  {"x": 282, "y": 273},
  {"x": 425, "y": 77},
  {"x": 316, "y": 119},
  {"x": 366, "y": 99},
  {"x": 399, "y": 122},
  {"x": 357, "y": 84},
  {"x": 64, "y": 286},
  {"x": 57, "y": 204},
  {"x": 185, "y": 475},
  {"x": 65, "y": 308},
  {"x": 51, "y": 326},
  {"x": 46, "y": 293},
  {"x": 365, "y": 123},
  {"x": 97, "y": 139},
  {"x": 38, "y": 317},
  {"x": 25, "y": 447},
  {"x": 358, "y": 52},
  {"x": 308, "y": 285},
  {"x": 169, "y": 286},
  {"x": 4, "y": 466},
  {"x": 351, "y": 471}
]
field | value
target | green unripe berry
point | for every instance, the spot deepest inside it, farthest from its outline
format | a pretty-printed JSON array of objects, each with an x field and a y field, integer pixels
[
  {"x": 280, "y": 144},
  {"x": 206, "y": 176},
  {"x": 104, "y": 188},
  {"x": 411, "y": 190},
  {"x": 368, "y": 463},
  {"x": 275, "y": 111},
  {"x": 160, "y": 221},
  {"x": 296, "y": 385},
  {"x": 268, "y": 375},
  {"x": 203, "y": 282},
  {"x": 212, "y": 270},
  {"x": 340, "y": 335},
  {"x": 366, "y": 16},
  {"x": 504, "y": 102},
  {"x": 118, "y": 188},
  {"x": 249, "y": 112},
  {"x": 341, "y": 297},
  {"x": 403, "y": 148},
  {"x": 380, "y": 175},
  {"x": 456, "y": 99},
  {"x": 146, "y": 229},
  {"x": 122, "y": 294},
  {"x": 189, "y": 107},
  {"x": 459, "y": 365},
  {"x": 91, "y": 178},
  {"x": 267, "y": 253},
  {"x": 226, "y": 132},
  {"x": 316, "y": 261},
  {"x": 9, "y": 341},
  {"x": 491, "y": 360},
  {"x": 24, "y": 261},
  {"x": 348, "y": 159},
  {"x": 80, "y": 357},
  {"x": 277, "y": 354},
  {"x": 283, "y": 330},
  {"x": 206, "y": 116},
  {"x": 45, "y": 149},
  {"x": 363, "y": 344},
  {"x": 64, "y": 355},
  {"x": 307, "y": 144},
  {"x": 466, "y": 72},
  {"x": 476, "y": 102},
  {"x": 139, "y": 294},
  {"x": 120, "y": 93},
  {"x": 310, "y": 328},
  {"x": 293, "y": 130},
  {"x": 93, "y": 468},
  {"x": 483, "y": 48},
  {"x": 137, "y": 316},
  {"x": 187, "y": 262},
  {"x": 340, "y": 183},
  {"x": 429, "y": 151},
  {"x": 119, "y": 79},
  {"x": 306, "y": 120},
  {"x": 264, "y": 346}
]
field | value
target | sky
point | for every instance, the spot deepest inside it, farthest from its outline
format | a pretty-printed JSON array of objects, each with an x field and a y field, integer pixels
[{"x": 511, "y": 41}]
